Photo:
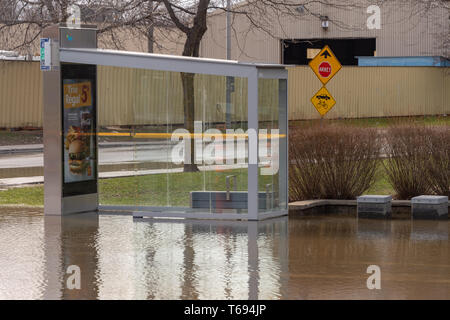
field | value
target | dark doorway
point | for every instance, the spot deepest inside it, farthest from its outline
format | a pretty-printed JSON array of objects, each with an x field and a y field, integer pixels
[{"x": 296, "y": 51}]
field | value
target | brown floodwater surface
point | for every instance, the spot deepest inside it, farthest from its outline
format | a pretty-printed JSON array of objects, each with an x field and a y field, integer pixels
[{"x": 289, "y": 258}]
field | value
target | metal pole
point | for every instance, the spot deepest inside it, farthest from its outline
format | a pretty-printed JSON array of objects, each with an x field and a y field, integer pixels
[
  {"x": 151, "y": 29},
  {"x": 228, "y": 30},
  {"x": 230, "y": 80}
]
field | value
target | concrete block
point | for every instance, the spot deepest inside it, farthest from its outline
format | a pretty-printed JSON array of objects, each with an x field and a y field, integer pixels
[
  {"x": 429, "y": 207},
  {"x": 374, "y": 206},
  {"x": 218, "y": 200}
]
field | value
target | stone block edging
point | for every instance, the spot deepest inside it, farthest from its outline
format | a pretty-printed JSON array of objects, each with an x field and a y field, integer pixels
[{"x": 401, "y": 209}]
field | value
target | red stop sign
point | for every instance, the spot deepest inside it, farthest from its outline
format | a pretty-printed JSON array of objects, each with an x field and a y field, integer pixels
[{"x": 325, "y": 69}]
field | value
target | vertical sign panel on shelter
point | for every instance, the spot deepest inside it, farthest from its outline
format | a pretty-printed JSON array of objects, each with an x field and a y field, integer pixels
[{"x": 79, "y": 129}]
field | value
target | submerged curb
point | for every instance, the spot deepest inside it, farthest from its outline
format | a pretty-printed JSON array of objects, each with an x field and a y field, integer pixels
[{"x": 401, "y": 209}]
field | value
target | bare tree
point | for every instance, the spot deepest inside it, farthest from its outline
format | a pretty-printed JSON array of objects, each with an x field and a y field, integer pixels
[
  {"x": 21, "y": 29},
  {"x": 7, "y": 10}
]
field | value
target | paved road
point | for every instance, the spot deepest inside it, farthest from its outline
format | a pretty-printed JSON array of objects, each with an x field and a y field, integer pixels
[
  {"x": 15, "y": 158},
  {"x": 114, "y": 155},
  {"x": 108, "y": 155}
]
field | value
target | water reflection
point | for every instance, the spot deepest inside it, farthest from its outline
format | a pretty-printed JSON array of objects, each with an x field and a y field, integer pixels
[
  {"x": 368, "y": 229},
  {"x": 147, "y": 259},
  {"x": 71, "y": 241},
  {"x": 429, "y": 230},
  {"x": 329, "y": 257},
  {"x": 22, "y": 260},
  {"x": 210, "y": 260},
  {"x": 305, "y": 258}
]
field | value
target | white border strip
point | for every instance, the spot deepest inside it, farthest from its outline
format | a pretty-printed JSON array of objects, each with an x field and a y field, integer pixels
[{"x": 149, "y": 61}]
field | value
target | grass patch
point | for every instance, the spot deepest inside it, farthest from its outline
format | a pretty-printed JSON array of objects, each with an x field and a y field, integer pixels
[
  {"x": 379, "y": 122},
  {"x": 381, "y": 185},
  {"x": 152, "y": 190},
  {"x": 164, "y": 189},
  {"x": 169, "y": 190},
  {"x": 28, "y": 196}
]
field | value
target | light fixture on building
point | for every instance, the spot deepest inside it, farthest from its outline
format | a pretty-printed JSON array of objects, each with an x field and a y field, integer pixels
[
  {"x": 300, "y": 9},
  {"x": 325, "y": 22}
]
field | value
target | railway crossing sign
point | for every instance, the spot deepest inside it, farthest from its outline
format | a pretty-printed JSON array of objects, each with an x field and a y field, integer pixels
[
  {"x": 323, "y": 101},
  {"x": 325, "y": 65}
]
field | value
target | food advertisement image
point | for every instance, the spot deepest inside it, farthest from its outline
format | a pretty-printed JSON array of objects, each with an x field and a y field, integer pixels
[{"x": 79, "y": 131}]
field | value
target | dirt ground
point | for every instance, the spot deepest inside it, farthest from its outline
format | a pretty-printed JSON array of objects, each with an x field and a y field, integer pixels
[{"x": 8, "y": 137}]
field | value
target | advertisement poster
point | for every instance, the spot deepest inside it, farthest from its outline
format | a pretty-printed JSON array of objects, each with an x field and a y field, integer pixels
[{"x": 79, "y": 131}]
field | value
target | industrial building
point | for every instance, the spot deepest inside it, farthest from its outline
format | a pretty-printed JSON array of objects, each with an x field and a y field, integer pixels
[{"x": 389, "y": 29}]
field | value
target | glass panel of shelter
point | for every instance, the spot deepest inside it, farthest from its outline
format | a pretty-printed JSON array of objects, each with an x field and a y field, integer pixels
[
  {"x": 214, "y": 179},
  {"x": 224, "y": 144},
  {"x": 152, "y": 105},
  {"x": 272, "y": 173}
]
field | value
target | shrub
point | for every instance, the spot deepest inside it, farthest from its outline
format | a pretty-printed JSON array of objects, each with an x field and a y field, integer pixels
[
  {"x": 304, "y": 167},
  {"x": 438, "y": 168},
  {"x": 408, "y": 149},
  {"x": 332, "y": 162}
]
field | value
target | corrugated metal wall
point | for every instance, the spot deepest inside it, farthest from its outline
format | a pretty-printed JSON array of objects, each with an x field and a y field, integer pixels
[
  {"x": 373, "y": 92},
  {"x": 134, "y": 96},
  {"x": 20, "y": 94},
  {"x": 131, "y": 96}
]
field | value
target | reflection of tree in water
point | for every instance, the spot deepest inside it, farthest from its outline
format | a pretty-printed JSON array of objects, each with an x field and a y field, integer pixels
[
  {"x": 189, "y": 284},
  {"x": 150, "y": 252}
]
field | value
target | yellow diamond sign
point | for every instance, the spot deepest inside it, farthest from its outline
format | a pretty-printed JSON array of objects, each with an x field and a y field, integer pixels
[
  {"x": 325, "y": 65},
  {"x": 323, "y": 101}
]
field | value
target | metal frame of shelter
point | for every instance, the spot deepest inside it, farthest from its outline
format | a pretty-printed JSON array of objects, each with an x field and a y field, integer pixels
[{"x": 84, "y": 52}]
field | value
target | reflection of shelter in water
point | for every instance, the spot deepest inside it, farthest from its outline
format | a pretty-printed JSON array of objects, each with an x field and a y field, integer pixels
[
  {"x": 70, "y": 241},
  {"x": 213, "y": 269},
  {"x": 371, "y": 229},
  {"x": 166, "y": 259},
  {"x": 121, "y": 259}
]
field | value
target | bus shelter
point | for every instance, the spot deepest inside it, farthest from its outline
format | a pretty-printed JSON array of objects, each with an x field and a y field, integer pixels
[{"x": 206, "y": 139}]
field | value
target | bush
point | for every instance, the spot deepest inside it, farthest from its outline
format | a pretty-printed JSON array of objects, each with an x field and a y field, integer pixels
[
  {"x": 418, "y": 160},
  {"x": 438, "y": 169},
  {"x": 332, "y": 162}
]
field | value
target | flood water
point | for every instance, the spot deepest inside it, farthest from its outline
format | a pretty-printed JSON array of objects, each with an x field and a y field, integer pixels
[{"x": 288, "y": 258}]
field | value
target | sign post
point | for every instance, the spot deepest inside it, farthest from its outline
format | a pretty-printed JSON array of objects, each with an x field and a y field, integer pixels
[{"x": 325, "y": 66}]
